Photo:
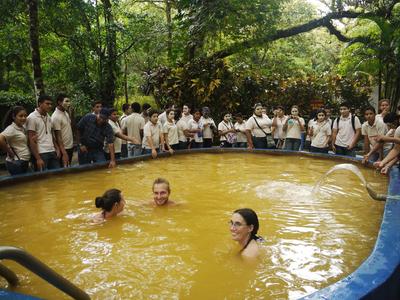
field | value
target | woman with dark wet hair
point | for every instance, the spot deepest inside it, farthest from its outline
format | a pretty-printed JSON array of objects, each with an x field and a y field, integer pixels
[
  {"x": 112, "y": 203},
  {"x": 244, "y": 227}
]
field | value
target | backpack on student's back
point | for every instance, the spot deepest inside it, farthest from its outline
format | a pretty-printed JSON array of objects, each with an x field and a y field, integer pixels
[{"x": 353, "y": 118}]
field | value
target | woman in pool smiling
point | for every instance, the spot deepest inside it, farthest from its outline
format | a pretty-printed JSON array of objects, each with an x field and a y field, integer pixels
[{"x": 244, "y": 227}]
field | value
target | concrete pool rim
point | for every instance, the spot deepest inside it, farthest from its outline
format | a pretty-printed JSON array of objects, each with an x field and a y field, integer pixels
[{"x": 376, "y": 278}]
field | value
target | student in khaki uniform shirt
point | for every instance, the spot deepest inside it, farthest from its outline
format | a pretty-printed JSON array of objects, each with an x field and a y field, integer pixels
[{"x": 14, "y": 142}]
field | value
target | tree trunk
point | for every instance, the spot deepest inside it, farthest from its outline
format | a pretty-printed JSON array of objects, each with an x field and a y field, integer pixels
[
  {"x": 169, "y": 28},
  {"x": 126, "y": 79},
  {"x": 100, "y": 53},
  {"x": 110, "y": 67},
  {"x": 35, "y": 49},
  {"x": 380, "y": 78}
]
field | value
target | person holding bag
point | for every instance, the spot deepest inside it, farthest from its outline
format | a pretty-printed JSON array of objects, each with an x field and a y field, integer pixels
[
  {"x": 227, "y": 132},
  {"x": 14, "y": 141},
  {"x": 294, "y": 125},
  {"x": 258, "y": 129}
]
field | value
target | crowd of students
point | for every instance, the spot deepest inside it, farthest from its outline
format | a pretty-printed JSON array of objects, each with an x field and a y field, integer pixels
[{"x": 39, "y": 141}]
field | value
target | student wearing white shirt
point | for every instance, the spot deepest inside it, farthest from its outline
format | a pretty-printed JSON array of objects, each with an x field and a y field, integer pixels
[
  {"x": 153, "y": 139},
  {"x": 118, "y": 136},
  {"x": 162, "y": 118},
  {"x": 227, "y": 132},
  {"x": 196, "y": 128},
  {"x": 186, "y": 116},
  {"x": 320, "y": 133},
  {"x": 258, "y": 127},
  {"x": 170, "y": 131},
  {"x": 14, "y": 142},
  {"x": 240, "y": 127},
  {"x": 293, "y": 126},
  {"x": 208, "y": 127},
  {"x": 346, "y": 132},
  {"x": 310, "y": 123},
  {"x": 384, "y": 109},
  {"x": 390, "y": 141},
  {"x": 277, "y": 127},
  {"x": 133, "y": 126},
  {"x": 126, "y": 111},
  {"x": 61, "y": 122},
  {"x": 183, "y": 132},
  {"x": 42, "y": 143},
  {"x": 371, "y": 129}
]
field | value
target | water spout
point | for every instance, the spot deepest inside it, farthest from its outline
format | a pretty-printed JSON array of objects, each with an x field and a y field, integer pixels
[{"x": 374, "y": 195}]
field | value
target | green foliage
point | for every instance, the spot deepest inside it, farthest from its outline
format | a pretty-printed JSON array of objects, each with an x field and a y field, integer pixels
[
  {"x": 214, "y": 84},
  {"x": 9, "y": 99},
  {"x": 75, "y": 38}
]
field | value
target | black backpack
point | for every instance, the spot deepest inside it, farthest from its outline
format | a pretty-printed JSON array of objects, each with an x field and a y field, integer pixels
[{"x": 353, "y": 118}]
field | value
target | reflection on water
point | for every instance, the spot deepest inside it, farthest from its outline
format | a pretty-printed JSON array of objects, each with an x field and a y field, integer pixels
[{"x": 185, "y": 251}]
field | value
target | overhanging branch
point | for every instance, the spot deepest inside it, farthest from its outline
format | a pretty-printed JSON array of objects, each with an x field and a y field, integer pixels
[
  {"x": 343, "y": 38},
  {"x": 321, "y": 22}
]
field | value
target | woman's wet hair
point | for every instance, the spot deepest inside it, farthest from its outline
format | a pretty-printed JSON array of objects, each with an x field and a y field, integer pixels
[
  {"x": 160, "y": 180},
  {"x": 11, "y": 114},
  {"x": 250, "y": 217},
  {"x": 109, "y": 198}
]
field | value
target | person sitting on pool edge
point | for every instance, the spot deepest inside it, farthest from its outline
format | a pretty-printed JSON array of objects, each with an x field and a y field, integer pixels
[
  {"x": 112, "y": 204},
  {"x": 161, "y": 192},
  {"x": 244, "y": 227}
]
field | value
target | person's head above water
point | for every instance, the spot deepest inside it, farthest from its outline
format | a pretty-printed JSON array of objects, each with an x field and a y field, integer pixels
[
  {"x": 244, "y": 227},
  {"x": 161, "y": 191},
  {"x": 112, "y": 203}
]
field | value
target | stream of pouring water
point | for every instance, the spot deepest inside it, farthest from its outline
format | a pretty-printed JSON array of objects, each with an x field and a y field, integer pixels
[{"x": 356, "y": 171}]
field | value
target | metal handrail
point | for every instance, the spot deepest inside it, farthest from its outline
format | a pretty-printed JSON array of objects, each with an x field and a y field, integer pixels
[
  {"x": 9, "y": 275},
  {"x": 39, "y": 268}
]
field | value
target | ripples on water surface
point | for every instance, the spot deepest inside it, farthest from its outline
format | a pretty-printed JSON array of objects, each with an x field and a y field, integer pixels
[{"x": 185, "y": 252}]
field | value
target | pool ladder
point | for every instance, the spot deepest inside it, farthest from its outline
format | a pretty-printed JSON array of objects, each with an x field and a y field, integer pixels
[{"x": 39, "y": 268}]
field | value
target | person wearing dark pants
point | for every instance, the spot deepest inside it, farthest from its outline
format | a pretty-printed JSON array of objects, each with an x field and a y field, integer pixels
[
  {"x": 14, "y": 143},
  {"x": 61, "y": 122},
  {"x": 345, "y": 132},
  {"x": 42, "y": 142},
  {"x": 93, "y": 130},
  {"x": 258, "y": 127}
]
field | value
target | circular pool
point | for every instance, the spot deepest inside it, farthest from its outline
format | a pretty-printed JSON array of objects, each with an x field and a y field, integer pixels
[{"x": 185, "y": 251}]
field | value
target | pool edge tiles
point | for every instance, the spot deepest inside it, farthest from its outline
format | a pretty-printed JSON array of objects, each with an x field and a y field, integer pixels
[{"x": 376, "y": 278}]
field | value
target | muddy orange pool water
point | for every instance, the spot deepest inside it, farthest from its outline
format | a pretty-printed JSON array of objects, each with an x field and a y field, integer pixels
[{"x": 185, "y": 252}]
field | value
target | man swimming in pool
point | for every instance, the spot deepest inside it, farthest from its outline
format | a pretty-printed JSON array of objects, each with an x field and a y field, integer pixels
[{"x": 161, "y": 192}]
